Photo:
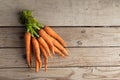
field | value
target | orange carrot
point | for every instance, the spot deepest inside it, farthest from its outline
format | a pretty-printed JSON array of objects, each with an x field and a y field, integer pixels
[
  {"x": 52, "y": 33},
  {"x": 45, "y": 56},
  {"x": 43, "y": 43},
  {"x": 36, "y": 65},
  {"x": 59, "y": 46},
  {"x": 59, "y": 52},
  {"x": 47, "y": 38},
  {"x": 28, "y": 48},
  {"x": 36, "y": 49}
]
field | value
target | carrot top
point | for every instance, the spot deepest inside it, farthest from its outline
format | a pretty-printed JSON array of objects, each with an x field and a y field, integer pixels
[{"x": 31, "y": 24}]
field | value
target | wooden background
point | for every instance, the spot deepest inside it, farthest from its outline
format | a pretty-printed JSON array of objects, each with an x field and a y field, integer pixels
[{"x": 91, "y": 29}]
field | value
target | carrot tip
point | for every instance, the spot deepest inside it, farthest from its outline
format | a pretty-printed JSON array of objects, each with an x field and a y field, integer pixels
[
  {"x": 51, "y": 56},
  {"x": 36, "y": 71},
  {"x": 67, "y": 54},
  {"x": 29, "y": 65},
  {"x": 53, "y": 52},
  {"x": 63, "y": 56},
  {"x": 45, "y": 68},
  {"x": 40, "y": 65}
]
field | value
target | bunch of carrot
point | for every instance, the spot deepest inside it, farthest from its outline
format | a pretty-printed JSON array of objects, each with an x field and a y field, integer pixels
[{"x": 41, "y": 41}]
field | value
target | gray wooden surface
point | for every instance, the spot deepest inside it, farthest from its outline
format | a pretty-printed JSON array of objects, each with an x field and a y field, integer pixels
[
  {"x": 91, "y": 29},
  {"x": 63, "y": 12}
]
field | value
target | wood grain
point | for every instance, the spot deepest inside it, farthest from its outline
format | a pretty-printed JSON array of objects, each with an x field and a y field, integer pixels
[
  {"x": 86, "y": 73},
  {"x": 74, "y": 36},
  {"x": 63, "y": 12},
  {"x": 94, "y": 51},
  {"x": 78, "y": 57}
]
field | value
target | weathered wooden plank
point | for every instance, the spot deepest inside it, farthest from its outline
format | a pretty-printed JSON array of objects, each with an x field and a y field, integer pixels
[
  {"x": 85, "y": 73},
  {"x": 12, "y": 37},
  {"x": 77, "y": 36},
  {"x": 63, "y": 12},
  {"x": 78, "y": 57}
]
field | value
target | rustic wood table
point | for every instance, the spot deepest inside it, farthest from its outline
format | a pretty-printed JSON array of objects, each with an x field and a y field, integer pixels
[{"x": 91, "y": 29}]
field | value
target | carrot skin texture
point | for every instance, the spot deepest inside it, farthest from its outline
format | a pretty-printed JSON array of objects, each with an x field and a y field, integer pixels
[
  {"x": 47, "y": 38},
  {"x": 43, "y": 51},
  {"x": 43, "y": 43},
  {"x": 58, "y": 52},
  {"x": 59, "y": 46},
  {"x": 45, "y": 62},
  {"x": 28, "y": 48},
  {"x": 36, "y": 65},
  {"x": 52, "y": 33},
  {"x": 36, "y": 49},
  {"x": 45, "y": 57}
]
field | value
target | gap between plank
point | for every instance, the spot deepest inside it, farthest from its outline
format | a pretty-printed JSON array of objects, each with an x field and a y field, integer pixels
[
  {"x": 71, "y": 47},
  {"x": 62, "y": 67},
  {"x": 65, "y": 26}
]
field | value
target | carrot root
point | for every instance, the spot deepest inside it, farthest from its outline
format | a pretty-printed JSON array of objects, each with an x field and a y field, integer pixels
[
  {"x": 47, "y": 38},
  {"x": 36, "y": 50},
  {"x": 52, "y": 33},
  {"x": 59, "y": 52},
  {"x": 45, "y": 56},
  {"x": 37, "y": 65},
  {"x": 44, "y": 45},
  {"x": 28, "y": 48},
  {"x": 59, "y": 46}
]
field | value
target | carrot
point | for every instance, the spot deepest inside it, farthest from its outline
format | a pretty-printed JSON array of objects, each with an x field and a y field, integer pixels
[
  {"x": 47, "y": 38},
  {"x": 45, "y": 56},
  {"x": 59, "y": 46},
  {"x": 45, "y": 62},
  {"x": 58, "y": 52},
  {"x": 52, "y": 33},
  {"x": 36, "y": 49},
  {"x": 43, "y": 43},
  {"x": 36, "y": 65},
  {"x": 28, "y": 47}
]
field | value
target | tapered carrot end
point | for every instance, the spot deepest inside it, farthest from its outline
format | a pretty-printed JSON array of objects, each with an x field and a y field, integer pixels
[
  {"x": 45, "y": 64},
  {"x": 63, "y": 56},
  {"x": 29, "y": 65},
  {"x": 50, "y": 55},
  {"x": 45, "y": 68},
  {"x": 65, "y": 45},
  {"x": 53, "y": 51},
  {"x": 36, "y": 71},
  {"x": 67, "y": 51},
  {"x": 67, "y": 54},
  {"x": 37, "y": 68},
  {"x": 40, "y": 65}
]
